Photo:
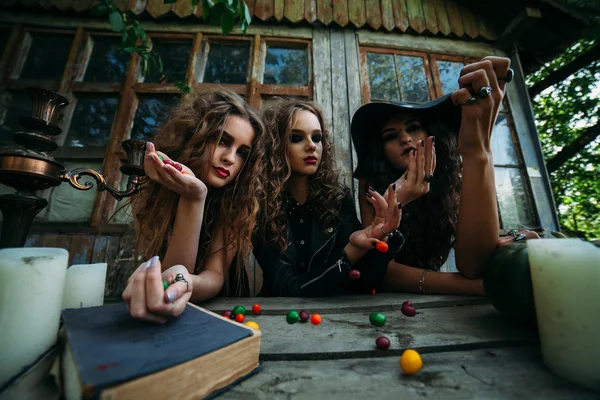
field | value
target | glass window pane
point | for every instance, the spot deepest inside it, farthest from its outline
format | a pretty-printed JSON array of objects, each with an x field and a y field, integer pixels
[
  {"x": 92, "y": 120},
  {"x": 449, "y": 73},
  {"x": 413, "y": 82},
  {"x": 108, "y": 62},
  {"x": 14, "y": 105},
  {"x": 503, "y": 146},
  {"x": 514, "y": 199},
  {"x": 151, "y": 112},
  {"x": 227, "y": 63},
  {"x": 286, "y": 66},
  {"x": 175, "y": 56},
  {"x": 68, "y": 204},
  {"x": 47, "y": 56},
  {"x": 383, "y": 84}
]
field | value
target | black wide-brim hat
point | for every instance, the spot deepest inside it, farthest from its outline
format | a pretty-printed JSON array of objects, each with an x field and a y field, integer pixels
[{"x": 368, "y": 120}]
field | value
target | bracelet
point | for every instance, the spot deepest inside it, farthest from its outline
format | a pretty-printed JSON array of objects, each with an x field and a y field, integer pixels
[{"x": 422, "y": 282}]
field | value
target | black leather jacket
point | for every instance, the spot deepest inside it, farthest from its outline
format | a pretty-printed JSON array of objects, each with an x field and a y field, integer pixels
[{"x": 328, "y": 270}]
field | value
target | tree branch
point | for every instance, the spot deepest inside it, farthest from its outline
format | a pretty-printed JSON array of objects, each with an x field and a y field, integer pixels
[
  {"x": 566, "y": 70},
  {"x": 573, "y": 148}
]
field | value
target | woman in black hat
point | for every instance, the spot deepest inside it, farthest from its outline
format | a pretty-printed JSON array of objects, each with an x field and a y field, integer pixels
[{"x": 456, "y": 206}]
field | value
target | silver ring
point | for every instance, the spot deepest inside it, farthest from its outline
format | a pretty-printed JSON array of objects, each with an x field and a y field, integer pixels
[
  {"x": 484, "y": 92},
  {"x": 385, "y": 233},
  {"x": 520, "y": 236},
  {"x": 513, "y": 233},
  {"x": 469, "y": 102},
  {"x": 428, "y": 178},
  {"x": 179, "y": 278}
]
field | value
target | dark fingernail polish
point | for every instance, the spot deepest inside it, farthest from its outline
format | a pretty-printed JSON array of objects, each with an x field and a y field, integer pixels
[
  {"x": 371, "y": 188},
  {"x": 399, "y": 206},
  {"x": 394, "y": 186},
  {"x": 368, "y": 195}
]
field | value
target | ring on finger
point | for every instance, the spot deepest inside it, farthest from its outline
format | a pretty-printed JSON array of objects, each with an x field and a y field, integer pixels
[
  {"x": 179, "y": 278},
  {"x": 385, "y": 233},
  {"x": 469, "y": 102},
  {"x": 428, "y": 178},
  {"x": 510, "y": 74},
  {"x": 483, "y": 92},
  {"x": 520, "y": 236}
]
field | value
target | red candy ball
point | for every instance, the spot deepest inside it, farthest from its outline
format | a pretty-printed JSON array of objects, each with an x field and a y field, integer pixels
[
  {"x": 382, "y": 343},
  {"x": 304, "y": 316},
  {"x": 373, "y": 292},
  {"x": 239, "y": 318},
  {"x": 407, "y": 309},
  {"x": 382, "y": 247},
  {"x": 169, "y": 162},
  {"x": 178, "y": 167},
  {"x": 354, "y": 274},
  {"x": 227, "y": 314},
  {"x": 315, "y": 319},
  {"x": 256, "y": 309}
]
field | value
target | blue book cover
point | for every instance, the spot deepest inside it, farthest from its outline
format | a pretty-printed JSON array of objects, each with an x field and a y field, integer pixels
[{"x": 110, "y": 347}]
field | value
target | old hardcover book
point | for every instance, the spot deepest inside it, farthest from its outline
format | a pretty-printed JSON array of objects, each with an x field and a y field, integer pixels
[{"x": 110, "y": 355}]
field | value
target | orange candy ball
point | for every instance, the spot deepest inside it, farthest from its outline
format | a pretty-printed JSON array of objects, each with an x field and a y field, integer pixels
[
  {"x": 256, "y": 309},
  {"x": 315, "y": 319},
  {"x": 382, "y": 247},
  {"x": 184, "y": 172},
  {"x": 239, "y": 318}
]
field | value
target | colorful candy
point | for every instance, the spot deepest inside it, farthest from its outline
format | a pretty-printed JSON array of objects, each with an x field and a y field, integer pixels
[
  {"x": 178, "y": 167},
  {"x": 252, "y": 325},
  {"x": 304, "y": 316},
  {"x": 292, "y": 317},
  {"x": 239, "y": 318},
  {"x": 184, "y": 173},
  {"x": 256, "y": 309},
  {"x": 161, "y": 158},
  {"x": 407, "y": 309},
  {"x": 239, "y": 310},
  {"x": 169, "y": 162},
  {"x": 227, "y": 314},
  {"x": 373, "y": 292},
  {"x": 411, "y": 362},
  {"x": 377, "y": 319},
  {"x": 382, "y": 247},
  {"x": 382, "y": 343},
  {"x": 165, "y": 285},
  {"x": 316, "y": 319},
  {"x": 354, "y": 274}
]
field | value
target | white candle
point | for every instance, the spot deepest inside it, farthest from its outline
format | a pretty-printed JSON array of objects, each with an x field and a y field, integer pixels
[
  {"x": 31, "y": 291},
  {"x": 566, "y": 286},
  {"x": 84, "y": 286}
]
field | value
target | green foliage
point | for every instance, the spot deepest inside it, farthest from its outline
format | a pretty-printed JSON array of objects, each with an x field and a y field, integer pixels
[
  {"x": 562, "y": 113},
  {"x": 225, "y": 13}
]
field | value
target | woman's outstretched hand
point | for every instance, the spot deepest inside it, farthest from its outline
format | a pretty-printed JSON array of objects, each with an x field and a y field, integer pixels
[
  {"x": 166, "y": 172},
  {"x": 387, "y": 219},
  {"x": 482, "y": 87}
]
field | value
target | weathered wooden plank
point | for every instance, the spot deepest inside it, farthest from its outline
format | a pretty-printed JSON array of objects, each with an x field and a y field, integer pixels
[
  {"x": 356, "y": 12},
  {"x": 416, "y": 19},
  {"x": 351, "y": 335},
  {"x": 250, "y": 4},
  {"x": 322, "y": 58},
  {"x": 500, "y": 373},
  {"x": 400, "y": 14},
  {"x": 373, "y": 11},
  {"x": 324, "y": 11},
  {"x": 387, "y": 15},
  {"x": 486, "y": 29},
  {"x": 112, "y": 284},
  {"x": 123, "y": 5},
  {"x": 263, "y": 9},
  {"x": 339, "y": 92},
  {"x": 278, "y": 9},
  {"x": 139, "y": 6},
  {"x": 81, "y": 250},
  {"x": 294, "y": 10},
  {"x": 184, "y": 8},
  {"x": 430, "y": 17},
  {"x": 344, "y": 304},
  {"x": 158, "y": 8},
  {"x": 340, "y": 12},
  {"x": 82, "y": 5},
  {"x": 469, "y": 22},
  {"x": 64, "y": 5},
  {"x": 456, "y": 23},
  {"x": 310, "y": 10},
  {"x": 99, "y": 251},
  {"x": 442, "y": 17},
  {"x": 33, "y": 241},
  {"x": 354, "y": 94}
]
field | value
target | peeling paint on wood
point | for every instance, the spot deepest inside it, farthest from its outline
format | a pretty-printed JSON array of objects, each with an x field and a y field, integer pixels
[
  {"x": 430, "y": 18},
  {"x": 138, "y": 6},
  {"x": 278, "y": 9},
  {"x": 356, "y": 12},
  {"x": 469, "y": 22},
  {"x": 353, "y": 77},
  {"x": 387, "y": 15},
  {"x": 340, "y": 12},
  {"x": 184, "y": 8},
  {"x": 322, "y": 58},
  {"x": 294, "y": 10},
  {"x": 486, "y": 29},
  {"x": 99, "y": 251},
  {"x": 456, "y": 24},
  {"x": 442, "y": 17},
  {"x": 310, "y": 10},
  {"x": 33, "y": 241},
  {"x": 249, "y": 3},
  {"x": 400, "y": 14},
  {"x": 324, "y": 11},
  {"x": 157, "y": 8},
  {"x": 263, "y": 9},
  {"x": 415, "y": 15},
  {"x": 81, "y": 249},
  {"x": 373, "y": 10}
]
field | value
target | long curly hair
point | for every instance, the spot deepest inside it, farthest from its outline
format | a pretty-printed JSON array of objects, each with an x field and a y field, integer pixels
[
  {"x": 324, "y": 185},
  {"x": 428, "y": 223},
  {"x": 193, "y": 125}
]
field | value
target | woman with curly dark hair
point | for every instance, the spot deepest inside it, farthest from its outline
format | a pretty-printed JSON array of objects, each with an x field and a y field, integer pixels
[
  {"x": 309, "y": 241},
  {"x": 198, "y": 211},
  {"x": 455, "y": 207}
]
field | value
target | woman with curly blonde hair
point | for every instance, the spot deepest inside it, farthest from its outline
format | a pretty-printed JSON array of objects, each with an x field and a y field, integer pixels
[
  {"x": 198, "y": 211},
  {"x": 309, "y": 241}
]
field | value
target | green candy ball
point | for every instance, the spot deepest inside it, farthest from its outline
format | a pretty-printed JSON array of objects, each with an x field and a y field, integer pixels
[
  {"x": 292, "y": 317},
  {"x": 377, "y": 319},
  {"x": 165, "y": 285},
  {"x": 161, "y": 158},
  {"x": 238, "y": 310}
]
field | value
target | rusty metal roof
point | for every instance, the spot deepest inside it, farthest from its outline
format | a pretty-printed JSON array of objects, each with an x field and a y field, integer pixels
[{"x": 438, "y": 17}]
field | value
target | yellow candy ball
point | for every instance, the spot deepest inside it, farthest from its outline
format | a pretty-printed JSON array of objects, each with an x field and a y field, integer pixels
[
  {"x": 410, "y": 362},
  {"x": 252, "y": 325}
]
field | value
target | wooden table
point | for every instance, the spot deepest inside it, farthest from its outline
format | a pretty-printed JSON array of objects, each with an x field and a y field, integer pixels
[{"x": 469, "y": 351}]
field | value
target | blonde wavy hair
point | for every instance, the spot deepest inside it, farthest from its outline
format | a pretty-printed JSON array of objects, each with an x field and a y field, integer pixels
[
  {"x": 279, "y": 118},
  {"x": 195, "y": 123}
]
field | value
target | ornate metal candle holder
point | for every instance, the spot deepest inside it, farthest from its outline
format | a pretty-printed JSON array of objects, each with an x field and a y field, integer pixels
[{"x": 32, "y": 168}]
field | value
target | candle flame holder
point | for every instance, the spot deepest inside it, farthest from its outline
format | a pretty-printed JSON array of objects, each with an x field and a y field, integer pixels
[{"x": 31, "y": 168}]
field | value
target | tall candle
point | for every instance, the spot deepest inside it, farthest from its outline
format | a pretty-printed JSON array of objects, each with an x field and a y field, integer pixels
[
  {"x": 566, "y": 286},
  {"x": 84, "y": 286},
  {"x": 31, "y": 291}
]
